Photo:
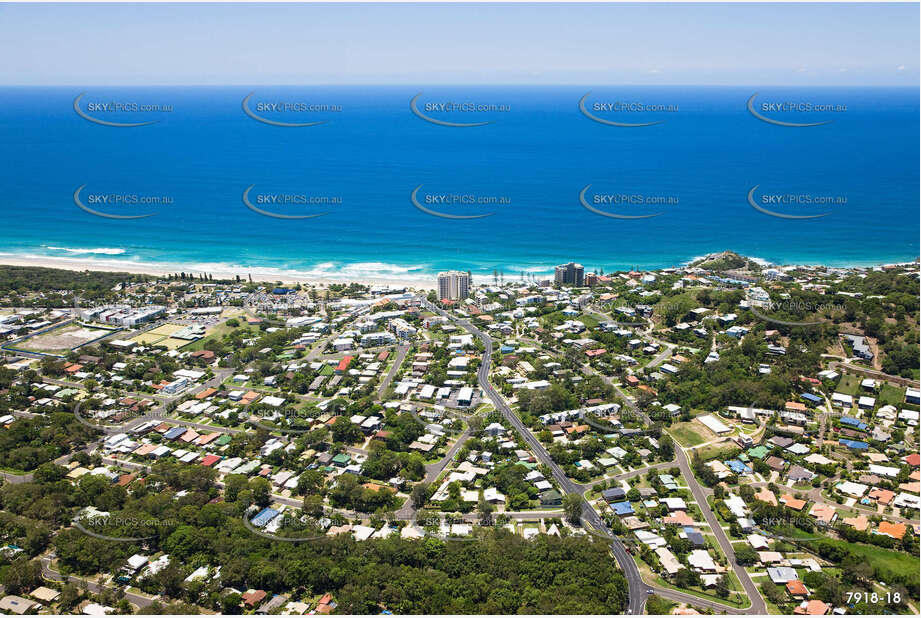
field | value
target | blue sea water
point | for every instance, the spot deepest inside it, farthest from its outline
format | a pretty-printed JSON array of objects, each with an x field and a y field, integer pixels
[{"x": 538, "y": 152}]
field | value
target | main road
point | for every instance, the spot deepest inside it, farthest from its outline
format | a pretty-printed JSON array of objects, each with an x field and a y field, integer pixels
[
  {"x": 637, "y": 591},
  {"x": 758, "y": 606},
  {"x": 138, "y": 600}
]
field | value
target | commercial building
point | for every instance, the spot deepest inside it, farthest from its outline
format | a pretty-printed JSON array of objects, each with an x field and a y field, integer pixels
[{"x": 122, "y": 315}]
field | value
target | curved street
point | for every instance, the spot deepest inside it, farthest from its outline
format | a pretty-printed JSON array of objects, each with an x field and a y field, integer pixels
[{"x": 638, "y": 591}]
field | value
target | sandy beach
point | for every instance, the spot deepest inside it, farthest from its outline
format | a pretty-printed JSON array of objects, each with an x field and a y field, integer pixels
[{"x": 266, "y": 275}]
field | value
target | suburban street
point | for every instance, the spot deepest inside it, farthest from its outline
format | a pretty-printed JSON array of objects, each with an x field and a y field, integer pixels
[
  {"x": 758, "y": 605},
  {"x": 638, "y": 590}
]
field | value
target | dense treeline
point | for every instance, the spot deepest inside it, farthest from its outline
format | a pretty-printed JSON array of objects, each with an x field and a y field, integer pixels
[
  {"x": 16, "y": 280},
  {"x": 497, "y": 573},
  {"x": 30, "y": 442},
  {"x": 888, "y": 312}
]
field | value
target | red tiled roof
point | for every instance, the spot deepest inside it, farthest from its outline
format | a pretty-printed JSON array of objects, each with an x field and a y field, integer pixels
[
  {"x": 206, "y": 393},
  {"x": 252, "y": 597},
  {"x": 814, "y": 607},
  {"x": 210, "y": 460},
  {"x": 896, "y": 531},
  {"x": 797, "y": 588}
]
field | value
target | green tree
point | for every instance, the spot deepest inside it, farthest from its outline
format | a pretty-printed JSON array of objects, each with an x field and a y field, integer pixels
[{"x": 572, "y": 506}]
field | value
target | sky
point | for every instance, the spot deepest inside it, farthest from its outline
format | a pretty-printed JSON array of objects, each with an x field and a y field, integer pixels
[{"x": 822, "y": 44}]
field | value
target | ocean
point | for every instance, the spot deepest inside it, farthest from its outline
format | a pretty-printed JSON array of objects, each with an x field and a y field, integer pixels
[{"x": 709, "y": 175}]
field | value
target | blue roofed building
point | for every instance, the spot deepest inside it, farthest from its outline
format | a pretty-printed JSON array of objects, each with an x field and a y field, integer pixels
[
  {"x": 738, "y": 467},
  {"x": 694, "y": 536},
  {"x": 853, "y": 422},
  {"x": 622, "y": 508},
  {"x": 856, "y": 445},
  {"x": 174, "y": 433},
  {"x": 811, "y": 398},
  {"x": 263, "y": 517}
]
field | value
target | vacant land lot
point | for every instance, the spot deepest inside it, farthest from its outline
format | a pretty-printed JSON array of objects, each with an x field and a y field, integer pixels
[
  {"x": 62, "y": 339},
  {"x": 690, "y": 433},
  {"x": 848, "y": 384},
  {"x": 890, "y": 394}
]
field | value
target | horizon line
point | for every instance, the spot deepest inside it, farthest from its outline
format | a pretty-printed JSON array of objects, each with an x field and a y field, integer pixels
[{"x": 471, "y": 84}]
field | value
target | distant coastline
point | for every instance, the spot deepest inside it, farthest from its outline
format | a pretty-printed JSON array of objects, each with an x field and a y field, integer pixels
[
  {"x": 528, "y": 170},
  {"x": 268, "y": 274}
]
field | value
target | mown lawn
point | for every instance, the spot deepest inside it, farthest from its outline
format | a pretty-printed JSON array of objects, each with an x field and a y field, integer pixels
[
  {"x": 891, "y": 560},
  {"x": 848, "y": 384},
  {"x": 891, "y": 394},
  {"x": 687, "y": 434},
  {"x": 895, "y": 561}
]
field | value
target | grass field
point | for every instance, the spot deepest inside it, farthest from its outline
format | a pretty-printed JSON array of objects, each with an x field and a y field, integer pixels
[
  {"x": 895, "y": 561},
  {"x": 166, "y": 329},
  {"x": 890, "y": 560},
  {"x": 690, "y": 433},
  {"x": 848, "y": 384},
  {"x": 894, "y": 395},
  {"x": 149, "y": 338},
  {"x": 172, "y": 343},
  {"x": 216, "y": 332},
  {"x": 161, "y": 336},
  {"x": 721, "y": 450}
]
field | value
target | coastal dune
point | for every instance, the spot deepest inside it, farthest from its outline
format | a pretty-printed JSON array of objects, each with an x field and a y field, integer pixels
[{"x": 217, "y": 271}]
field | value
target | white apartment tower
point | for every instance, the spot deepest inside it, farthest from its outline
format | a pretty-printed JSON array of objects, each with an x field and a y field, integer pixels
[{"x": 453, "y": 285}]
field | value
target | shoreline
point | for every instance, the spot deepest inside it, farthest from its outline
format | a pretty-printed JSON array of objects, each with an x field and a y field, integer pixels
[
  {"x": 258, "y": 274},
  {"x": 274, "y": 275}
]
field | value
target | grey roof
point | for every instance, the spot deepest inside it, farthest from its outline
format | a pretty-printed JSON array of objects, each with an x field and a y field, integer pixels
[{"x": 781, "y": 575}]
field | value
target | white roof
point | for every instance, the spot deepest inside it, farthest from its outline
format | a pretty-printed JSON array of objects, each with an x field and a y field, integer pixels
[
  {"x": 852, "y": 489},
  {"x": 758, "y": 541},
  {"x": 362, "y": 533},
  {"x": 700, "y": 559},
  {"x": 674, "y": 504},
  {"x": 668, "y": 560},
  {"x": 427, "y": 391},
  {"x": 137, "y": 561},
  {"x": 713, "y": 424}
]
